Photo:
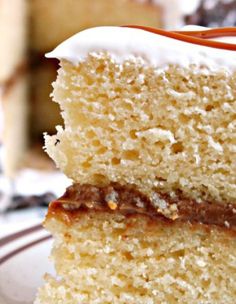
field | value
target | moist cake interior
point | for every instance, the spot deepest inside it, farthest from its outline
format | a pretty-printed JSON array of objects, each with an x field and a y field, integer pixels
[
  {"x": 162, "y": 130},
  {"x": 119, "y": 256},
  {"x": 149, "y": 142}
]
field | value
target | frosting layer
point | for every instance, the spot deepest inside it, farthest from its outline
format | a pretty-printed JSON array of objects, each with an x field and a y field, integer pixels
[{"x": 155, "y": 48}]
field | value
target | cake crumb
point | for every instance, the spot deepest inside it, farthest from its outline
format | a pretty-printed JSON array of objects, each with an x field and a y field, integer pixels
[{"x": 215, "y": 145}]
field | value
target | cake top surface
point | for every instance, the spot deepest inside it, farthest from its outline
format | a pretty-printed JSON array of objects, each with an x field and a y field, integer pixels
[{"x": 157, "y": 47}]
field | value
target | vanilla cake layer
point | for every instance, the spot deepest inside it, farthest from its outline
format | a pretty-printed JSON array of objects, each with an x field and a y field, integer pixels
[
  {"x": 168, "y": 130},
  {"x": 125, "y": 255},
  {"x": 65, "y": 18}
]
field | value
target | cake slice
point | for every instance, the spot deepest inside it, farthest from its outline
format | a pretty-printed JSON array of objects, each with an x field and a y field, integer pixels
[{"x": 150, "y": 143}]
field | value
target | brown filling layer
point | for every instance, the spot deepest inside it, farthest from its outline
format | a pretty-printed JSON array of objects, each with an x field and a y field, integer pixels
[{"x": 128, "y": 200}]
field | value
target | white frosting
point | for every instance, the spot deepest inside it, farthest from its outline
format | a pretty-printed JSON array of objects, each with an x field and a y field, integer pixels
[{"x": 125, "y": 43}]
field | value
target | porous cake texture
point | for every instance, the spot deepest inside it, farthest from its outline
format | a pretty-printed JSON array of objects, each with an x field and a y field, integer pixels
[
  {"x": 163, "y": 130},
  {"x": 149, "y": 141},
  {"x": 107, "y": 257}
]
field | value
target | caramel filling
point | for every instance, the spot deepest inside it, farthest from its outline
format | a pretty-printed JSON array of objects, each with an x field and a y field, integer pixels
[{"x": 126, "y": 199}]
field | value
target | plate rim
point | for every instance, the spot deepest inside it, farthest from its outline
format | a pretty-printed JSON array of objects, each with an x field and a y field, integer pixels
[{"x": 11, "y": 238}]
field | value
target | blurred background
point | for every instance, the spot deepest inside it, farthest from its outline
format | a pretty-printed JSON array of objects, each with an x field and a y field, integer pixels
[{"x": 29, "y": 29}]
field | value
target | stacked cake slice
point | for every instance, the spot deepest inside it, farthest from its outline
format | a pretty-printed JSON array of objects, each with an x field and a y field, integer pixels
[{"x": 150, "y": 143}]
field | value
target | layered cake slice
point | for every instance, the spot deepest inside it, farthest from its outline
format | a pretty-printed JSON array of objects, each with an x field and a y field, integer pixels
[{"x": 150, "y": 143}]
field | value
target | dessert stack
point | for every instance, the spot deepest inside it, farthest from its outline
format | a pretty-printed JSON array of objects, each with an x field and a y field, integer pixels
[{"x": 149, "y": 142}]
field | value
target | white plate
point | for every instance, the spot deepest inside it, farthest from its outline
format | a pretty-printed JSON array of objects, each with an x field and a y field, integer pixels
[{"x": 23, "y": 262}]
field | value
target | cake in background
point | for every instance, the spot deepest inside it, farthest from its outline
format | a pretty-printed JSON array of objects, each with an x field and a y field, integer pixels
[
  {"x": 149, "y": 139},
  {"x": 213, "y": 13},
  {"x": 13, "y": 26},
  {"x": 13, "y": 82}
]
